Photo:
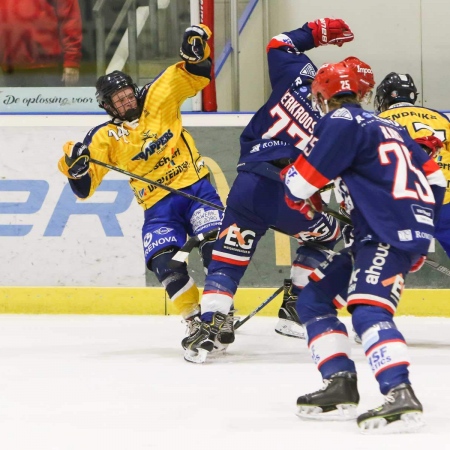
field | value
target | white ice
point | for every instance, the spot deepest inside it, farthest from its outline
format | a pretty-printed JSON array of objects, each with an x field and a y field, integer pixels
[{"x": 120, "y": 383}]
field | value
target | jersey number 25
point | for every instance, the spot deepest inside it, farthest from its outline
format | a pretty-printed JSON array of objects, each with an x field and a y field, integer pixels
[{"x": 398, "y": 154}]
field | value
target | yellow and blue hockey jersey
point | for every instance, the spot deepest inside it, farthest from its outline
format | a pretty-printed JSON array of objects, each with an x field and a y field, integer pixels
[
  {"x": 420, "y": 122},
  {"x": 156, "y": 146}
]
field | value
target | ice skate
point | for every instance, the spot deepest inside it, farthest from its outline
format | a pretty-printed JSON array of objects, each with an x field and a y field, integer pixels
[
  {"x": 226, "y": 333},
  {"x": 401, "y": 412},
  {"x": 337, "y": 400},
  {"x": 192, "y": 323},
  {"x": 202, "y": 340},
  {"x": 288, "y": 322}
]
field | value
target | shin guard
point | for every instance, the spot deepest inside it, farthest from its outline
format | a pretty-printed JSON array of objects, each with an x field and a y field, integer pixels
[
  {"x": 329, "y": 345},
  {"x": 384, "y": 346}
]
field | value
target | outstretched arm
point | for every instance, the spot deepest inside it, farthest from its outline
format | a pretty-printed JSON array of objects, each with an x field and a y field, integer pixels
[{"x": 284, "y": 49}]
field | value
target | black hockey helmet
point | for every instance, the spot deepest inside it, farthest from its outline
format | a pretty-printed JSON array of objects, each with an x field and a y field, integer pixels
[
  {"x": 395, "y": 88},
  {"x": 107, "y": 85}
]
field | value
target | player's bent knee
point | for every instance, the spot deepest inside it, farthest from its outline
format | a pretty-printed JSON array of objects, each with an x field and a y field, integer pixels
[
  {"x": 180, "y": 287},
  {"x": 306, "y": 261},
  {"x": 366, "y": 316},
  {"x": 160, "y": 263},
  {"x": 312, "y": 303}
]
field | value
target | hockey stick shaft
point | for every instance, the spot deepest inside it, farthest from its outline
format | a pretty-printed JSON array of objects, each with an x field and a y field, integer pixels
[
  {"x": 239, "y": 323},
  {"x": 181, "y": 255},
  {"x": 194, "y": 241},
  {"x": 168, "y": 188},
  {"x": 155, "y": 183}
]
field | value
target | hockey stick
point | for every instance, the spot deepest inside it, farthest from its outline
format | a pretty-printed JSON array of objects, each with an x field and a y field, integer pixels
[
  {"x": 155, "y": 183},
  {"x": 434, "y": 264},
  {"x": 181, "y": 255},
  {"x": 193, "y": 241},
  {"x": 239, "y": 323},
  {"x": 172, "y": 190}
]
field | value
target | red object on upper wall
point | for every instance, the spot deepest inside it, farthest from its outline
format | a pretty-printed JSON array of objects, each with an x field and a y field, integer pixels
[{"x": 209, "y": 100}]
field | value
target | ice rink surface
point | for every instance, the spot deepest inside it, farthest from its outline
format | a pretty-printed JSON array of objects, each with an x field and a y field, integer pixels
[{"x": 120, "y": 383}]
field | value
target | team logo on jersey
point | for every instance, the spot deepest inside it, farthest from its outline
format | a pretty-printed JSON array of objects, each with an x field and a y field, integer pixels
[
  {"x": 308, "y": 71},
  {"x": 423, "y": 235},
  {"x": 163, "y": 230},
  {"x": 342, "y": 113},
  {"x": 235, "y": 237},
  {"x": 149, "y": 245},
  {"x": 147, "y": 239},
  {"x": 405, "y": 235},
  {"x": 423, "y": 214},
  {"x": 156, "y": 146},
  {"x": 165, "y": 161},
  {"x": 203, "y": 218},
  {"x": 255, "y": 148},
  {"x": 379, "y": 260}
]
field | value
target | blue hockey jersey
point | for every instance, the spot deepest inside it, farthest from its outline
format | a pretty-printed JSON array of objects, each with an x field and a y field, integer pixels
[
  {"x": 389, "y": 184},
  {"x": 282, "y": 128}
]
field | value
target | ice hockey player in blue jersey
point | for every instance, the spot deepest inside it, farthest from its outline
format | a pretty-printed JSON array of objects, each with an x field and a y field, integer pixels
[
  {"x": 395, "y": 99},
  {"x": 274, "y": 138},
  {"x": 392, "y": 190}
]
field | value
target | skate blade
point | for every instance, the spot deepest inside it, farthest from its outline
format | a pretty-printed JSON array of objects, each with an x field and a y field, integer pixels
[
  {"x": 219, "y": 347},
  {"x": 342, "y": 413},
  {"x": 407, "y": 423},
  {"x": 290, "y": 329},
  {"x": 196, "y": 357}
]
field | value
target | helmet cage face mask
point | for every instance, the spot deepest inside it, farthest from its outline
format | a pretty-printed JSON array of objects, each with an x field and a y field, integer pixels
[
  {"x": 367, "y": 97},
  {"x": 395, "y": 88},
  {"x": 107, "y": 86}
]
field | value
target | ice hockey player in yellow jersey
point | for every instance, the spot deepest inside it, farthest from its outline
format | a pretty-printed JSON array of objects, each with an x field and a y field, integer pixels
[
  {"x": 395, "y": 99},
  {"x": 145, "y": 136}
]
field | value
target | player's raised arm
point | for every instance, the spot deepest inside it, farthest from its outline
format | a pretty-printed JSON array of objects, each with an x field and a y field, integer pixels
[{"x": 285, "y": 49}]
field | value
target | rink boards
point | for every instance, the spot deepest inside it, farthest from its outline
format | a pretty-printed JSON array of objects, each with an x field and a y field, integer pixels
[
  {"x": 152, "y": 300},
  {"x": 62, "y": 256}
]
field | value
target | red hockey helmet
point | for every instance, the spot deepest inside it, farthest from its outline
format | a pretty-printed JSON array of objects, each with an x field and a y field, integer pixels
[
  {"x": 335, "y": 79},
  {"x": 365, "y": 74}
]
